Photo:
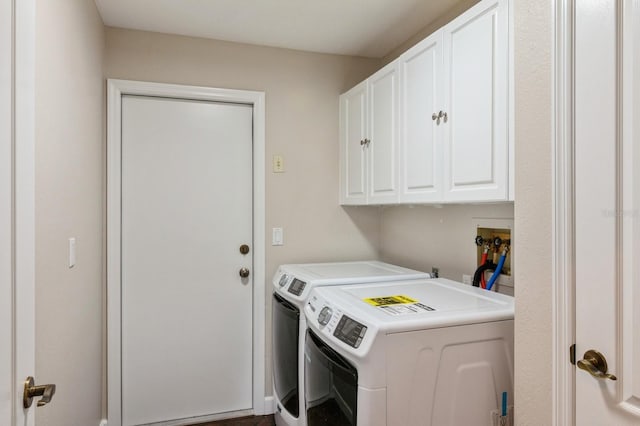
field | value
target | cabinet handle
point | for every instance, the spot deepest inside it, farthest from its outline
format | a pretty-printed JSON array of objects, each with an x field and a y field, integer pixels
[
  {"x": 439, "y": 116},
  {"x": 362, "y": 142},
  {"x": 367, "y": 142}
]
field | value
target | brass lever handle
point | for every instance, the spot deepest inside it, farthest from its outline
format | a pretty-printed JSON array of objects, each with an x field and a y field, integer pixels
[
  {"x": 31, "y": 391},
  {"x": 595, "y": 363}
]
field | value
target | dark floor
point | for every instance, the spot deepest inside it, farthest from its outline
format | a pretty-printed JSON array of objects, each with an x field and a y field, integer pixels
[{"x": 242, "y": 421}]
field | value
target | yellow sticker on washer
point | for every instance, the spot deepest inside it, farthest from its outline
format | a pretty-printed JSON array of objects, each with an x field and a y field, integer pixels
[{"x": 389, "y": 300}]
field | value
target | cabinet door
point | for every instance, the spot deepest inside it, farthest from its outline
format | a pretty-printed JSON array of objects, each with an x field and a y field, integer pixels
[
  {"x": 420, "y": 136},
  {"x": 475, "y": 66},
  {"x": 382, "y": 140},
  {"x": 353, "y": 116}
]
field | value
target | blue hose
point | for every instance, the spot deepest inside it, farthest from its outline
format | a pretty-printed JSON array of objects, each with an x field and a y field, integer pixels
[{"x": 496, "y": 273}]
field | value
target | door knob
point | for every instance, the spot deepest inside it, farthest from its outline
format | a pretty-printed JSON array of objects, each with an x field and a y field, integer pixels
[
  {"x": 244, "y": 272},
  {"x": 31, "y": 391},
  {"x": 595, "y": 363},
  {"x": 244, "y": 249}
]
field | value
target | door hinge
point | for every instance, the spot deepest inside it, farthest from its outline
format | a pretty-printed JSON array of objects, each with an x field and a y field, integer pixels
[{"x": 572, "y": 354}]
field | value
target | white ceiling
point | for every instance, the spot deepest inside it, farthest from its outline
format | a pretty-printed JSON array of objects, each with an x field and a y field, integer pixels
[{"x": 370, "y": 28}]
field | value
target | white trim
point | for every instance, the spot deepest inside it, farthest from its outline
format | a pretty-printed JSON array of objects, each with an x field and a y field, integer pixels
[
  {"x": 563, "y": 305},
  {"x": 24, "y": 203},
  {"x": 115, "y": 90},
  {"x": 6, "y": 211}
]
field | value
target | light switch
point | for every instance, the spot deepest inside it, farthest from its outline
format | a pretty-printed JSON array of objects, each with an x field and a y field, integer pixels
[
  {"x": 278, "y": 164},
  {"x": 277, "y": 237},
  {"x": 72, "y": 252}
]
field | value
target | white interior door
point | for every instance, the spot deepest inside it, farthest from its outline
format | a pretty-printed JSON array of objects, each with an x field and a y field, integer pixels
[
  {"x": 607, "y": 209},
  {"x": 6, "y": 188},
  {"x": 186, "y": 210}
]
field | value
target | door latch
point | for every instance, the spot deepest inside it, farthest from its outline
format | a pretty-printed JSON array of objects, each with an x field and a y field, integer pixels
[{"x": 31, "y": 391}]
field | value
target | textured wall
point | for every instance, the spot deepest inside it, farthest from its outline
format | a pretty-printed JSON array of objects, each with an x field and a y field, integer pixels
[
  {"x": 301, "y": 125},
  {"x": 533, "y": 211},
  {"x": 69, "y": 113}
]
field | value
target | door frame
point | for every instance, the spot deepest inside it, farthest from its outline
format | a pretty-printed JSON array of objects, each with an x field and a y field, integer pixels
[
  {"x": 115, "y": 90},
  {"x": 17, "y": 207},
  {"x": 563, "y": 262}
]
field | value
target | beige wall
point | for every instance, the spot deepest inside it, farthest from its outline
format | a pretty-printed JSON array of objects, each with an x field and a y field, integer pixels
[
  {"x": 533, "y": 211},
  {"x": 69, "y": 203},
  {"x": 301, "y": 125},
  {"x": 421, "y": 237}
]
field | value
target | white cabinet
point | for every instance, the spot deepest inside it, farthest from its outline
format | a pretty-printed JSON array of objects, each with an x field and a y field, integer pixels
[
  {"x": 369, "y": 140},
  {"x": 421, "y": 95},
  {"x": 437, "y": 117},
  {"x": 476, "y": 103}
]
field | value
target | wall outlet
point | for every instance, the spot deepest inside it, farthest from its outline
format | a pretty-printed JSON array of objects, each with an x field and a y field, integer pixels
[{"x": 435, "y": 272}]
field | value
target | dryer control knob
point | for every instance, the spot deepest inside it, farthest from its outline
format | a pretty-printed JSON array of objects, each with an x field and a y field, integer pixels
[
  {"x": 325, "y": 315},
  {"x": 283, "y": 280}
]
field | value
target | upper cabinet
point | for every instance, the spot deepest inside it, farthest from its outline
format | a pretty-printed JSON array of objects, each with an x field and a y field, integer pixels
[
  {"x": 436, "y": 123},
  {"x": 369, "y": 140},
  {"x": 421, "y": 121},
  {"x": 476, "y": 104}
]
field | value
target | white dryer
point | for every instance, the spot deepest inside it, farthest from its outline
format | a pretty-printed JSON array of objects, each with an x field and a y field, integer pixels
[
  {"x": 292, "y": 284},
  {"x": 427, "y": 352}
]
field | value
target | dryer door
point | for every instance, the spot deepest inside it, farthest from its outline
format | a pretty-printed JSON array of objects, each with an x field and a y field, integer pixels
[
  {"x": 331, "y": 385},
  {"x": 286, "y": 323}
]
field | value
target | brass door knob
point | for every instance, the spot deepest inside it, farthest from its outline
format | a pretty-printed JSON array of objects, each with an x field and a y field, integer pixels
[
  {"x": 595, "y": 363},
  {"x": 244, "y": 272},
  {"x": 244, "y": 249},
  {"x": 31, "y": 391}
]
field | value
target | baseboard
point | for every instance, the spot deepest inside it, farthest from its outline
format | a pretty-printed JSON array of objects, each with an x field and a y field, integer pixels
[
  {"x": 269, "y": 408},
  {"x": 269, "y": 405}
]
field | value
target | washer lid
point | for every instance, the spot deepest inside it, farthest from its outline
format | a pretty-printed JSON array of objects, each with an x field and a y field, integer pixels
[
  {"x": 349, "y": 272},
  {"x": 416, "y": 305}
]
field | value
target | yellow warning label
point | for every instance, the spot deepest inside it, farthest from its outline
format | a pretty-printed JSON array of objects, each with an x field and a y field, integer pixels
[{"x": 389, "y": 300}]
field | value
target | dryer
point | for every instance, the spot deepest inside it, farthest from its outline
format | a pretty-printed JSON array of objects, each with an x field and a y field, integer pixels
[
  {"x": 292, "y": 285},
  {"x": 427, "y": 352}
]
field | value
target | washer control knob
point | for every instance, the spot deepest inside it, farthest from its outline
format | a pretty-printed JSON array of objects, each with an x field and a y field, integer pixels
[
  {"x": 325, "y": 315},
  {"x": 283, "y": 280}
]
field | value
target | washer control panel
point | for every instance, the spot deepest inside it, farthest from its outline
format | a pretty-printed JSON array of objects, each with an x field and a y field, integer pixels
[
  {"x": 334, "y": 322},
  {"x": 350, "y": 331}
]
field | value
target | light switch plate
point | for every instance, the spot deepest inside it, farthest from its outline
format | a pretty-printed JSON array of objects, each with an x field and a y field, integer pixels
[
  {"x": 277, "y": 238},
  {"x": 72, "y": 252},
  {"x": 278, "y": 164}
]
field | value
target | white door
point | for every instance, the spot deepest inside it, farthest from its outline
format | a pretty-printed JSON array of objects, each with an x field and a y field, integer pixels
[
  {"x": 420, "y": 134},
  {"x": 382, "y": 141},
  {"x": 607, "y": 210},
  {"x": 353, "y": 125},
  {"x": 6, "y": 188},
  {"x": 186, "y": 211},
  {"x": 17, "y": 226},
  {"x": 475, "y": 70}
]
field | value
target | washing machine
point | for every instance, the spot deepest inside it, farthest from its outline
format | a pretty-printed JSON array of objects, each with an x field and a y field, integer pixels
[
  {"x": 292, "y": 285},
  {"x": 427, "y": 352}
]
